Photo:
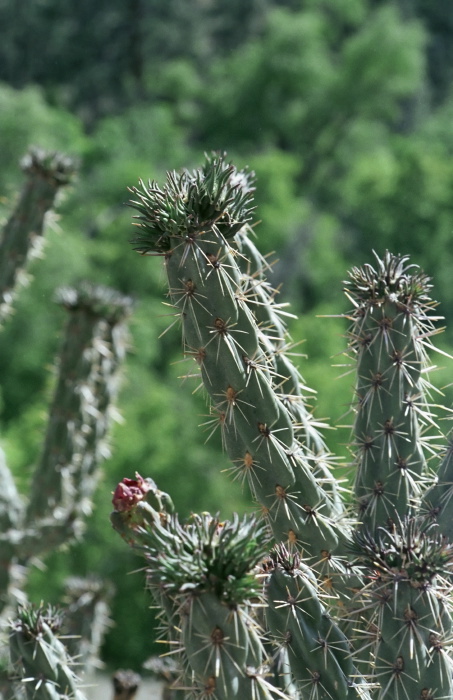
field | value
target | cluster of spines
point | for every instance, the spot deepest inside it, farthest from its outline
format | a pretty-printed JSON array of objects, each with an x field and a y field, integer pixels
[
  {"x": 39, "y": 658},
  {"x": 80, "y": 415},
  {"x": 93, "y": 349},
  {"x": 392, "y": 323},
  {"x": 317, "y": 652},
  {"x": 86, "y": 619},
  {"x": 75, "y": 444},
  {"x": 408, "y": 634}
]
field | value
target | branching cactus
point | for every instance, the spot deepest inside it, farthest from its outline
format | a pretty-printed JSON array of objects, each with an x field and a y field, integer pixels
[
  {"x": 76, "y": 439},
  {"x": 352, "y": 601}
]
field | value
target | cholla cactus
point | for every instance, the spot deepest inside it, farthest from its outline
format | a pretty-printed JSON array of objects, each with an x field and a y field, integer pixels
[
  {"x": 21, "y": 239},
  {"x": 93, "y": 349},
  {"x": 75, "y": 444},
  {"x": 350, "y": 602},
  {"x": 39, "y": 658}
]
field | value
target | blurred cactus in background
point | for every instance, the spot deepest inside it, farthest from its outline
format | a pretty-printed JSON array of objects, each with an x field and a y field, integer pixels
[
  {"x": 40, "y": 658},
  {"x": 22, "y": 236},
  {"x": 75, "y": 443},
  {"x": 326, "y": 594}
]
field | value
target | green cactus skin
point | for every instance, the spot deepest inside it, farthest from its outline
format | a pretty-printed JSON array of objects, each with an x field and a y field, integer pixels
[
  {"x": 39, "y": 657},
  {"x": 319, "y": 654},
  {"x": 201, "y": 574},
  {"x": 11, "y": 518},
  {"x": 392, "y": 322},
  {"x": 292, "y": 389},
  {"x": 64, "y": 480},
  {"x": 86, "y": 619},
  {"x": 437, "y": 500},
  {"x": 47, "y": 173},
  {"x": 193, "y": 222}
]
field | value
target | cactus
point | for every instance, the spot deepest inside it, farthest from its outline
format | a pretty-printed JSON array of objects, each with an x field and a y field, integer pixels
[
  {"x": 66, "y": 475},
  {"x": 352, "y": 601},
  {"x": 22, "y": 236},
  {"x": 39, "y": 657},
  {"x": 86, "y": 619},
  {"x": 75, "y": 444}
]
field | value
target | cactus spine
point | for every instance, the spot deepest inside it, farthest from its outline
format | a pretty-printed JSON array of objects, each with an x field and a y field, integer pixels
[
  {"x": 39, "y": 657},
  {"x": 376, "y": 592},
  {"x": 92, "y": 353}
]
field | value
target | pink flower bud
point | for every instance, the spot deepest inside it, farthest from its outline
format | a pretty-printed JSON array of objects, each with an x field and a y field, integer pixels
[{"x": 129, "y": 492}]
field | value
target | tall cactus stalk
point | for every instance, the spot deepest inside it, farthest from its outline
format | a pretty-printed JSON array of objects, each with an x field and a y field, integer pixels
[
  {"x": 47, "y": 172},
  {"x": 357, "y": 603},
  {"x": 195, "y": 222},
  {"x": 392, "y": 325},
  {"x": 75, "y": 443},
  {"x": 66, "y": 475}
]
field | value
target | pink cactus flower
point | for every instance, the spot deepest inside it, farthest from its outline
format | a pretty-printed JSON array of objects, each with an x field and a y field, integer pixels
[{"x": 129, "y": 492}]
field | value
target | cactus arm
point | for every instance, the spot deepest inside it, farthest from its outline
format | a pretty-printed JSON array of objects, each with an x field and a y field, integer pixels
[
  {"x": 318, "y": 652},
  {"x": 191, "y": 222},
  {"x": 292, "y": 389},
  {"x": 233, "y": 328},
  {"x": 65, "y": 478},
  {"x": 204, "y": 570},
  {"x": 437, "y": 500},
  {"x": 409, "y": 568},
  {"x": 46, "y": 174},
  {"x": 391, "y": 325},
  {"x": 86, "y": 619},
  {"x": 12, "y": 510},
  {"x": 39, "y": 657}
]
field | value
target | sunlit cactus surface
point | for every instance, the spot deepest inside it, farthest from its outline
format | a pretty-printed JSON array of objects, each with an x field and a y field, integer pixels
[{"x": 328, "y": 593}]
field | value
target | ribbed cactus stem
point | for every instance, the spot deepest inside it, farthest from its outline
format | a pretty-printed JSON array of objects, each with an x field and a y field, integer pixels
[
  {"x": 350, "y": 616},
  {"x": 318, "y": 652},
  {"x": 409, "y": 597},
  {"x": 11, "y": 515},
  {"x": 391, "y": 325},
  {"x": 22, "y": 235},
  {"x": 39, "y": 657},
  {"x": 193, "y": 222},
  {"x": 86, "y": 619},
  {"x": 204, "y": 570},
  {"x": 75, "y": 443},
  {"x": 261, "y": 297}
]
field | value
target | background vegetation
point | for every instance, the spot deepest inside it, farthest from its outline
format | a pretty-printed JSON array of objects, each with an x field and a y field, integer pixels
[{"x": 344, "y": 109}]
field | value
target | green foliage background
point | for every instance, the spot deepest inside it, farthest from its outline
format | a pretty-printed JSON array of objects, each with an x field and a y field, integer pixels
[{"x": 344, "y": 109}]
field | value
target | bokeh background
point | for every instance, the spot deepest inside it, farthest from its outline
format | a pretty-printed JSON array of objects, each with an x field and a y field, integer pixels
[{"x": 343, "y": 108}]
